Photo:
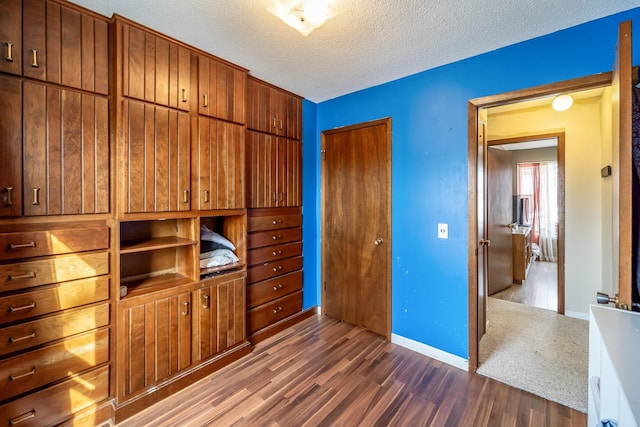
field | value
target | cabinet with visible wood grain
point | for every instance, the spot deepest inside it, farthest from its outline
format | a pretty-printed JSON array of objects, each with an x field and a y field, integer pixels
[
  {"x": 273, "y": 110},
  {"x": 275, "y": 171},
  {"x": 11, "y": 147},
  {"x": 221, "y": 90},
  {"x": 522, "y": 256},
  {"x": 218, "y": 165}
]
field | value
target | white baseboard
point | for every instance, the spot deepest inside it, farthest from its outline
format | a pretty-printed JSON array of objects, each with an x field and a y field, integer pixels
[
  {"x": 577, "y": 315},
  {"x": 432, "y": 352}
]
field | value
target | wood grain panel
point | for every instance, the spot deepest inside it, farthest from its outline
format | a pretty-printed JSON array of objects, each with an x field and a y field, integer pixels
[
  {"x": 270, "y": 237},
  {"x": 37, "y": 368},
  {"x": 11, "y": 32},
  {"x": 149, "y": 68},
  {"x": 276, "y": 268},
  {"x": 53, "y": 405},
  {"x": 54, "y": 43},
  {"x": 71, "y": 48},
  {"x": 88, "y": 53},
  {"x": 133, "y": 51},
  {"x": 267, "y": 290},
  {"x": 271, "y": 312},
  {"x": 11, "y": 131},
  {"x": 36, "y": 332},
  {"x": 44, "y": 271},
  {"x": 268, "y": 219},
  {"x": 34, "y": 45},
  {"x": 45, "y": 301},
  {"x": 71, "y": 169},
  {"x": 273, "y": 253},
  {"x": 161, "y": 66}
]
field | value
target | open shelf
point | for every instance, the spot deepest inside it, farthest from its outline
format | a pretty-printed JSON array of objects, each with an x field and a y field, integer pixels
[
  {"x": 152, "y": 244},
  {"x": 142, "y": 285},
  {"x": 211, "y": 271}
]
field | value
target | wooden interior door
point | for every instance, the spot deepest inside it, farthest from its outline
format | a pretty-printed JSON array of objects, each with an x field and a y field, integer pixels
[
  {"x": 622, "y": 168},
  {"x": 356, "y": 228},
  {"x": 499, "y": 216}
]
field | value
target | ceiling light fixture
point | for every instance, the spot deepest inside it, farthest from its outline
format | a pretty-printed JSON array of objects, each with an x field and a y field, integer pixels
[
  {"x": 303, "y": 15},
  {"x": 562, "y": 102}
]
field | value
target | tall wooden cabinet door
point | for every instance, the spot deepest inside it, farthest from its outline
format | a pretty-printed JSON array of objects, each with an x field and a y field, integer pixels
[
  {"x": 294, "y": 118},
  {"x": 231, "y": 313},
  {"x": 259, "y": 106},
  {"x": 262, "y": 164},
  {"x": 66, "y": 151},
  {"x": 11, "y": 36},
  {"x": 155, "y": 342},
  {"x": 221, "y": 90},
  {"x": 155, "y": 155},
  {"x": 10, "y": 145},
  {"x": 205, "y": 303},
  {"x": 33, "y": 42}
]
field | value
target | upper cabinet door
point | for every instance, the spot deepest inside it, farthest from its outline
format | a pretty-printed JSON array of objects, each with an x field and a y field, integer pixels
[
  {"x": 273, "y": 111},
  {"x": 11, "y": 36},
  {"x": 11, "y": 146},
  {"x": 221, "y": 90},
  {"x": 154, "y": 69},
  {"x": 33, "y": 33},
  {"x": 155, "y": 159}
]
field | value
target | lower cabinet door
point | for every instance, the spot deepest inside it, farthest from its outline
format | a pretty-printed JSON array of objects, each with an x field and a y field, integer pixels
[
  {"x": 154, "y": 342},
  {"x": 53, "y": 405},
  {"x": 219, "y": 308}
]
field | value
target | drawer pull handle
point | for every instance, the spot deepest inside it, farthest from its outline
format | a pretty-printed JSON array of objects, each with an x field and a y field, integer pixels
[
  {"x": 34, "y": 63},
  {"x": 205, "y": 101},
  {"x": 185, "y": 196},
  {"x": 26, "y": 374},
  {"x": 184, "y": 95},
  {"x": 278, "y": 268},
  {"x": 274, "y": 253},
  {"x": 22, "y": 245},
  {"x": 24, "y": 307},
  {"x": 206, "y": 196},
  {"x": 23, "y": 417},
  {"x": 9, "y": 201},
  {"x": 185, "y": 309},
  {"x": 206, "y": 301},
  {"x": 26, "y": 337},
  {"x": 9, "y": 56},
  {"x": 275, "y": 123},
  {"x": 277, "y": 221},
  {"x": 279, "y": 236},
  {"x": 277, "y": 288},
  {"x": 29, "y": 275},
  {"x": 277, "y": 310},
  {"x": 281, "y": 124}
]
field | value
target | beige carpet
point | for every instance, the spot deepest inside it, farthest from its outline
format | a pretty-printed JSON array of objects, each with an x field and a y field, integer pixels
[{"x": 538, "y": 351}]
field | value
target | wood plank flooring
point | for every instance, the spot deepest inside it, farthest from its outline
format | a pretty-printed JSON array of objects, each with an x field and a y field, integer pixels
[
  {"x": 322, "y": 372},
  {"x": 540, "y": 289}
]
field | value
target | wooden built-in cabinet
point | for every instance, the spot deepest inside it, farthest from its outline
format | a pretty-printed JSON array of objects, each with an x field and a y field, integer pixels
[
  {"x": 218, "y": 165},
  {"x": 221, "y": 90},
  {"x": 154, "y": 69},
  {"x": 11, "y": 146},
  {"x": 274, "y": 276},
  {"x": 275, "y": 170},
  {"x": 155, "y": 150},
  {"x": 272, "y": 110},
  {"x": 54, "y": 321},
  {"x": 55, "y": 42}
]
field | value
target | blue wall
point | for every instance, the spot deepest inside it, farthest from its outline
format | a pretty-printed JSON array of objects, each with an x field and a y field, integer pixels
[{"x": 429, "y": 167}]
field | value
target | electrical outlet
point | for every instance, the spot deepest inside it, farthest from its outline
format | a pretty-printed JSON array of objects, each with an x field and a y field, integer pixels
[{"x": 443, "y": 231}]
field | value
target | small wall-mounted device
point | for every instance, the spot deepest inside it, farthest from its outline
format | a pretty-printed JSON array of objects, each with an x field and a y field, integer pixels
[{"x": 605, "y": 171}]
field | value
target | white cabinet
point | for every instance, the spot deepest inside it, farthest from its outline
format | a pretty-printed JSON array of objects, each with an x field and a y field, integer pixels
[{"x": 614, "y": 366}]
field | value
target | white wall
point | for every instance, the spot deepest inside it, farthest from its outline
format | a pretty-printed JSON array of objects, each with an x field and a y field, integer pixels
[{"x": 583, "y": 189}]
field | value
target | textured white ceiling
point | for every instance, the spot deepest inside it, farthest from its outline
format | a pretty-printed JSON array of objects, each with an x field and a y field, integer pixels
[{"x": 364, "y": 44}]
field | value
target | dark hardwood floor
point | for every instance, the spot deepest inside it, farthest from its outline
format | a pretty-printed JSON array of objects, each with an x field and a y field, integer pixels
[
  {"x": 322, "y": 372},
  {"x": 540, "y": 289}
]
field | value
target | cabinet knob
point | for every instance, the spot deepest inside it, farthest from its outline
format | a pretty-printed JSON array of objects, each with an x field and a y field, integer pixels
[
  {"x": 276, "y": 237},
  {"x": 278, "y": 268},
  {"x": 185, "y": 308},
  {"x": 277, "y": 310},
  {"x": 277, "y": 287}
]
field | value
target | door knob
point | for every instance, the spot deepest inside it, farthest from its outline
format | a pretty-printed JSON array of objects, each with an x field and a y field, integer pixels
[
  {"x": 378, "y": 241},
  {"x": 485, "y": 242}
]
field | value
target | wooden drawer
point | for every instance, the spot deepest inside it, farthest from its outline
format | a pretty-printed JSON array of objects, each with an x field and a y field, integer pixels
[
  {"x": 268, "y": 290},
  {"x": 54, "y": 404},
  {"x": 29, "y": 334},
  {"x": 272, "y": 253},
  {"x": 273, "y": 237},
  {"x": 26, "y": 244},
  {"x": 67, "y": 295},
  {"x": 270, "y": 313},
  {"x": 40, "y": 367},
  {"x": 277, "y": 268},
  {"x": 53, "y": 270},
  {"x": 272, "y": 222}
]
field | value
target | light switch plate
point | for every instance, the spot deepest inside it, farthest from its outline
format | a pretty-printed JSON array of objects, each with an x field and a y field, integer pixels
[{"x": 443, "y": 231}]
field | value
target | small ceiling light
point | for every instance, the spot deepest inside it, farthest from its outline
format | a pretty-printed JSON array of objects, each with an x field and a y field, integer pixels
[
  {"x": 303, "y": 15},
  {"x": 562, "y": 102}
]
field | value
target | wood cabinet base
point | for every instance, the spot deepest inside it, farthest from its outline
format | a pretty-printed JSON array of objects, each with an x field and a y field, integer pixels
[
  {"x": 283, "y": 324},
  {"x": 178, "y": 382}
]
